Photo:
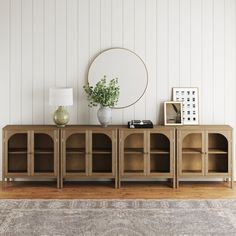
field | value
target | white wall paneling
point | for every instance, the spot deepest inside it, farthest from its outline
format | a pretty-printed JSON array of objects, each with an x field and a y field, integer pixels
[
  {"x": 5, "y": 69},
  {"x": 128, "y": 42},
  {"x": 219, "y": 58},
  {"x": 151, "y": 48},
  {"x": 49, "y": 55},
  {"x": 196, "y": 48},
  {"x": 47, "y": 43},
  {"x": 162, "y": 58},
  {"x": 27, "y": 62},
  {"x": 117, "y": 41},
  {"x": 207, "y": 61},
  {"x": 83, "y": 58},
  {"x": 15, "y": 62},
  {"x": 71, "y": 55}
]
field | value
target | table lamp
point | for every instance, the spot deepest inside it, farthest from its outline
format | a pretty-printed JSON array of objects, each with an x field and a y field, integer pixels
[{"x": 61, "y": 97}]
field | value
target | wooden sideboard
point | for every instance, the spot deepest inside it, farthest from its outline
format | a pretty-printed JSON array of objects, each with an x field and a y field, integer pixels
[{"x": 117, "y": 153}]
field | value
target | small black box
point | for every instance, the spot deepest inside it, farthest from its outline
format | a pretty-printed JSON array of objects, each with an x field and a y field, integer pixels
[{"x": 140, "y": 124}]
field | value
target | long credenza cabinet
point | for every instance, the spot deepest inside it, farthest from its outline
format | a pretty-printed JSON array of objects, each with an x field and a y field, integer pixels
[{"x": 89, "y": 152}]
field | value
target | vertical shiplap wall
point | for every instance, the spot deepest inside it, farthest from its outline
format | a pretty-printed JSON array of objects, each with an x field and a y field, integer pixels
[{"x": 47, "y": 43}]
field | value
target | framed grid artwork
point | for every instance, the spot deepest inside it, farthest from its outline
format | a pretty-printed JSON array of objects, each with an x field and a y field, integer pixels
[{"x": 189, "y": 98}]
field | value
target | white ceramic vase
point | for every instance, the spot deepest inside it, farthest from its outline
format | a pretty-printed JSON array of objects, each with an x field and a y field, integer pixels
[{"x": 104, "y": 116}]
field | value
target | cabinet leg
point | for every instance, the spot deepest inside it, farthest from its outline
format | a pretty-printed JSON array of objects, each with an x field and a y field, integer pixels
[
  {"x": 226, "y": 179},
  {"x": 173, "y": 183},
  {"x": 232, "y": 182},
  {"x": 3, "y": 181},
  {"x": 58, "y": 183},
  {"x": 177, "y": 183},
  {"x": 61, "y": 183}
]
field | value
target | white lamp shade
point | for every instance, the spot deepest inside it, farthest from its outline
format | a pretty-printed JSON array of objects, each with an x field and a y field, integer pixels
[{"x": 61, "y": 96}]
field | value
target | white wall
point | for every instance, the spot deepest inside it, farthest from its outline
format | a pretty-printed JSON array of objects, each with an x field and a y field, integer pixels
[{"x": 46, "y": 43}]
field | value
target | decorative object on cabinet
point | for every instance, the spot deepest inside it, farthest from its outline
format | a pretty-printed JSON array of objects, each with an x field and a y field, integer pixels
[
  {"x": 88, "y": 152},
  {"x": 133, "y": 124},
  {"x": 204, "y": 152},
  {"x": 189, "y": 98},
  {"x": 106, "y": 95},
  {"x": 31, "y": 152},
  {"x": 61, "y": 97},
  {"x": 173, "y": 113},
  {"x": 147, "y": 154},
  {"x": 127, "y": 66}
]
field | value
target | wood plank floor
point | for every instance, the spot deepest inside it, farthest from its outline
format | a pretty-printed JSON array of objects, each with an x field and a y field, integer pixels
[{"x": 101, "y": 190}]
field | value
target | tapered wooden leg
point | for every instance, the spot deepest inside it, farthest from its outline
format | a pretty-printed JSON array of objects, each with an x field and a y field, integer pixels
[
  {"x": 173, "y": 183},
  {"x": 232, "y": 182},
  {"x": 177, "y": 183},
  {"x": 61, "y": 183},
  {"x": 58, "y": 182},
  {"x": 119, "y": 184}
]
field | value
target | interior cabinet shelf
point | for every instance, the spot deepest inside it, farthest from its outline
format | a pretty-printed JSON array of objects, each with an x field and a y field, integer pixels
[
  {"x": 192, "y": 171},
  {"x": 75, "y": 151},
  {"x": 133, "y": 150},
  {"x": 160, "y": 151},
  {"x": 217, "y": 151},
  {"x": 17, "y": 150},
  {"x": 192, "y": 150},
  {"x": 44, "y": 151},
  {"x": 134, "y": 171},
  {"x": 102, "y": 151}
]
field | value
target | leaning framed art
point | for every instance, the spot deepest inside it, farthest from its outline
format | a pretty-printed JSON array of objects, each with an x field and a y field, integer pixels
[
  {"x": 173, "y": 113},
  {"x": 189, "y": 98}
]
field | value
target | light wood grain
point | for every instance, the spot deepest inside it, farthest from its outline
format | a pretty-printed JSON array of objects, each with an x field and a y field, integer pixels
[{"x": 129, "y": 190}]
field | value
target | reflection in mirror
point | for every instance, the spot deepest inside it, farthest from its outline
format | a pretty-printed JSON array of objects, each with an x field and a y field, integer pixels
[{"x": 125, "y": 65}]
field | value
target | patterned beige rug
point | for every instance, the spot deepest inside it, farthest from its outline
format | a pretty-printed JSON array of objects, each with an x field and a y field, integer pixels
[{"x": 117, "y": 217}]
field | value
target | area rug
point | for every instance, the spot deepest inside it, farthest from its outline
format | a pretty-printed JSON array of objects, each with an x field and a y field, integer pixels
[{"x": 117, "y": 217}]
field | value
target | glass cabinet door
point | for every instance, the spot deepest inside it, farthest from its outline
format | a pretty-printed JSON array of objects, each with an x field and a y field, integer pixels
[
  {"x": 133, "y": 155},
  {"x": 217, "y": 157},
  {"x": 75, "y": 154},
  {"x": 17, "y": 151},
  {"x": 159, "y": 158},
  {"x": 101, "y": 154},
  {"x": 43, "y": 154},
  {"x": 192, "y": 154}
]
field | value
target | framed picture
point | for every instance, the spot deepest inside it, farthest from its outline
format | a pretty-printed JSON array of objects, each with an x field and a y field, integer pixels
[
  {"x": 173, "y": 113},
  {"x": 189, "y": 98}
]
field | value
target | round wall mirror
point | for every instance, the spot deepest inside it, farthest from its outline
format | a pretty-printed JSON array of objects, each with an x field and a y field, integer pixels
[{"x": 125, "y": 65}]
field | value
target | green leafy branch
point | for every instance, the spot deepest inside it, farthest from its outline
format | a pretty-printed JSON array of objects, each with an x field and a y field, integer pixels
[{"x": 103, "y": 93}]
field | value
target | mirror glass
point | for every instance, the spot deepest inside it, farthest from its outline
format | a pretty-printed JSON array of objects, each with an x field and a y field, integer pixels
[{"x": 125, "y": 65}]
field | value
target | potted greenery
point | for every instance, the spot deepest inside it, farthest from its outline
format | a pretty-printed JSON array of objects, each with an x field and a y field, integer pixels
[{"x": 105, "y": 94}]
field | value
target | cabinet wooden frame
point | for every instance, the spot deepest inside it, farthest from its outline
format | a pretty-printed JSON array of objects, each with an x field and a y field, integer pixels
[
  {"x": 216, "y": 160},
  {"x": 146, "y": 153},
  {"x": 35, "y": 158},
  {"x": 89, "y": 153},
  {"x": 141, "y": 149}
]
